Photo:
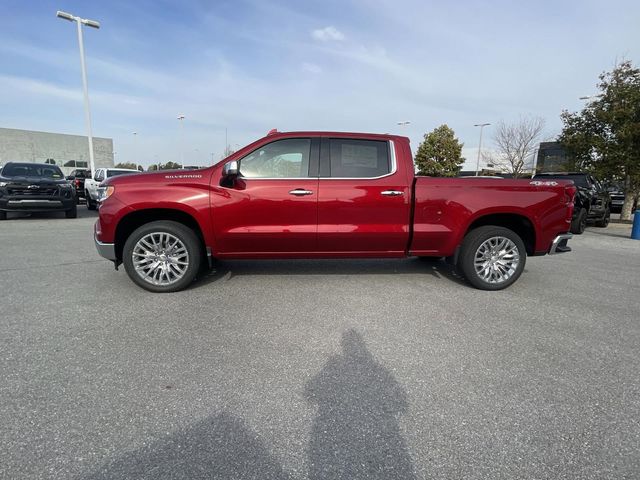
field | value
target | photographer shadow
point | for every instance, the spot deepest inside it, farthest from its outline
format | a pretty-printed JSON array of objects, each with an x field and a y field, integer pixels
[{"x": 355, "y": 434}]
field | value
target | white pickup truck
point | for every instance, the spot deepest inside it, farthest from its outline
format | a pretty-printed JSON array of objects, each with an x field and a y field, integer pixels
[{"x": 91, "y": 185}]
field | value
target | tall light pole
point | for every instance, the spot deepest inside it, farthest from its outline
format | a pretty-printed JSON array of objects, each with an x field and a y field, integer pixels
[
  {"x": 181, "y": 120},
  {"x": 481, "y": 125},
  {"x": 87, "y": 111},
  {"x": 404, "y": 123},
  {"x": 135, "y": 145}
]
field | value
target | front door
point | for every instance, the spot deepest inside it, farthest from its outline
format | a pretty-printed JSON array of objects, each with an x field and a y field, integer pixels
[{"x": 272, "y": 207}]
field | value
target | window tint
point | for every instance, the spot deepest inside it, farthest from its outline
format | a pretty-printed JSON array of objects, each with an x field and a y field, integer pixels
[
  {"x": 31, "y": 170},
  {"x": 115, "y": 173},
  {"x": 287, "y": 158},
  {"x": 359, "y": 158}
]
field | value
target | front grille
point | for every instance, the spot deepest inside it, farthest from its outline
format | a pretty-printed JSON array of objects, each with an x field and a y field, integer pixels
[{"x": 20, "y": 191}]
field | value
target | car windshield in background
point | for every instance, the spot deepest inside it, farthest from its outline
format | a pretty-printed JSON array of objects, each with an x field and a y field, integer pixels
[
  {"x": 31, "y": 170},
  {"x": 578, "y": 180},
  {"x": 115, "y": 173}
]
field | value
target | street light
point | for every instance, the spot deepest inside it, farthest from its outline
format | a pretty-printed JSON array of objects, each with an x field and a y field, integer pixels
[
  {"x": 589, "y": 97},
  {"x": 87, "y": 112},
  {"x": 181, "y": 119},
  {"x": 404, "y": 123},
  {"x": 481, "y": 125},
  {"x": 135, "y": 149}
]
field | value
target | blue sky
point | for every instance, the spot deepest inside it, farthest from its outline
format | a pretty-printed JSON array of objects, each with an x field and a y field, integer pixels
[{"x": 250, "y": 66}]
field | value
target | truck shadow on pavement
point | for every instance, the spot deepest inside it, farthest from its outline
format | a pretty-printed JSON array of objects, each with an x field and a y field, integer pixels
[
  {"x": 436, "y": 267},
  {"x": 355, "y": 434}
]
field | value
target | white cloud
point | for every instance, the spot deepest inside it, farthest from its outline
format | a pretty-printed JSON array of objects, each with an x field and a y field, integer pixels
[
  {"x": 328, "y": 34},
  {"x": 311, "y": 67}
]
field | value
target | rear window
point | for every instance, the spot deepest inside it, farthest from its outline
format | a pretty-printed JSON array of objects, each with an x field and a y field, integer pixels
[
  {"x": 31, "y": 170},
  {"x": 359, "y": 158},
  {"x": 115, "y": 173}
]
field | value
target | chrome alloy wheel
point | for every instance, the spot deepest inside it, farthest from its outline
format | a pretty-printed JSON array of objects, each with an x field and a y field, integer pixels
[
  {"x": 160, "y": 258},
  {"x": 496, "y": 260}
]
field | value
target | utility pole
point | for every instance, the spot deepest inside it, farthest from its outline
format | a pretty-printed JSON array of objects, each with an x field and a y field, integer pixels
[
  {"x": 481, "y": 125},
  {"x": 181, "y": 120}
]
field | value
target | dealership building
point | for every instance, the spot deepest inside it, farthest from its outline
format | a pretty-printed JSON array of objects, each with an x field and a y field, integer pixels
[{"x": 66, "y": 151}]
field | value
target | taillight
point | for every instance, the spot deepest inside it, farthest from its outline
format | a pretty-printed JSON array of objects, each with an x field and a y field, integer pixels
[
  {"x": 77, "y": 182},
  {"x": 569, "y": 193}
]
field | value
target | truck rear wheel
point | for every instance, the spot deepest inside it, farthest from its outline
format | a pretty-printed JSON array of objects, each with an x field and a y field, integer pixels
[
  {"x": 162, "y": 256},
  {"x": 579, "y": 224},
  {"x": 492, "y": 257}
]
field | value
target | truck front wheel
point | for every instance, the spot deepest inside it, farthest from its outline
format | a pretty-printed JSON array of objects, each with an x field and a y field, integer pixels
[
  {"x": 162, "y": 256},
  {"x": 492, "y": 257},
  {"x": 91, "y": 205}
]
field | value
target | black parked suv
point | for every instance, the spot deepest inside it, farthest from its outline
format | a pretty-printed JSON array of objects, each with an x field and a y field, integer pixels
[
  {"x": 592, "y": 202},
  {"x": 34, "y": 187},
  {"x": 77, "y": 178}
]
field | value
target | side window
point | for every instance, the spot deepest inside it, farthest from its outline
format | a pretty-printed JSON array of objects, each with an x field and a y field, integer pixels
[
  {"x": 99, "y": 175},
  {"x": 288, "y": 158},
  {"x": 359, "y": 158}
]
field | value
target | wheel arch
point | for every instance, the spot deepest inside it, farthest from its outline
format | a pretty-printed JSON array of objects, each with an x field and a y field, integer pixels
[
  {"x": 520, "y": 224},
  {"x": 137, "y": 218}
]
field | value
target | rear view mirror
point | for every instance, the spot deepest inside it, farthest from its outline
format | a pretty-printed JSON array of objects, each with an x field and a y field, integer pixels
[{"x": 230, "y": 169}]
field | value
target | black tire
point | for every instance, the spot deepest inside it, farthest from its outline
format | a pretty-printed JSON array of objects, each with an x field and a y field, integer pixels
[
  {"x": 3, "y": 215},
  {"x": 604, "y": 221},
  {"x": 72, "y": 212},
  {"x": 579, "y": 224},
  {"x": 91, "y": 205},
  {"x": 184, "y": 234},
  {"x": 471, "y": 247}
]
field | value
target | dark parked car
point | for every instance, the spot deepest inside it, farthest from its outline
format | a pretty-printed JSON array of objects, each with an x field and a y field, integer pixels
[
  {"x": 34, "y": 187},
  {"x": 592, "y": 202},
  {"x": 77, "y": 177},
  {"x": 617, "y": 201}
]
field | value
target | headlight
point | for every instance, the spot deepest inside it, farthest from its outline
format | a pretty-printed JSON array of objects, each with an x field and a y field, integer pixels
[
  {"x": 3, "y": 184},
  {"x": 105, "y": 192}
]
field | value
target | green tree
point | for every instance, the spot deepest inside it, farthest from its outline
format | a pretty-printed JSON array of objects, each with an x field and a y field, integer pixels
[
  {"x": 130, "y": 165},
  {"x": 439, "y": 155},
  {"x": 170, "y": 166},
  {"x": 604, "y": 138}
]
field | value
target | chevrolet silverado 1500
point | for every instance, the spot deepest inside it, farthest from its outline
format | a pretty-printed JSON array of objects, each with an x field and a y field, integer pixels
[{"x": 327, "y": 195}]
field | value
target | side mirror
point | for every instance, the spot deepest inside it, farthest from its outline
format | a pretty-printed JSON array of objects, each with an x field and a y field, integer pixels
[{"x": 230, "y": 169}]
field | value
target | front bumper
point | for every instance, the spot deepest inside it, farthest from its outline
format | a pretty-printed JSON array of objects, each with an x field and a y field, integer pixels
[
  {"x": 106, "y": 250},
  {"x": 559, "y": 244},
  {"x": 17, "y": 204}
]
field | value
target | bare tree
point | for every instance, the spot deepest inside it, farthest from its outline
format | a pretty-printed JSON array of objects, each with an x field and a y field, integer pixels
[{"x": 515, "y": 143}]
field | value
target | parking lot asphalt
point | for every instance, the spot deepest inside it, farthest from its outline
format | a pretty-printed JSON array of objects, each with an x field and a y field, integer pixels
[{"x": 329, "y": 369}]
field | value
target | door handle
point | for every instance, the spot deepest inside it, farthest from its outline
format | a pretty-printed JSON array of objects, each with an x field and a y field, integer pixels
[
  {"x": 392, "y": 193},
  {"x": 300, "y": 192}
]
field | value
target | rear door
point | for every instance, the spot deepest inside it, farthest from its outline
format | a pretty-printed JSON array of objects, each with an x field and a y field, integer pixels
[
  {"x": 272, "y": 207},
  {"x": 364, "y": 198}
]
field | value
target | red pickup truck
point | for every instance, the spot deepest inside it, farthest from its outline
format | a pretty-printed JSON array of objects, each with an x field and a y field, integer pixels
[{"x": 327, "y": 195}]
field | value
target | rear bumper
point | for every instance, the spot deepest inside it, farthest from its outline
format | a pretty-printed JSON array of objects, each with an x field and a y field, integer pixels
[
  {"x": 559, "y": 244},
  {"x": 106, "y": 250}
]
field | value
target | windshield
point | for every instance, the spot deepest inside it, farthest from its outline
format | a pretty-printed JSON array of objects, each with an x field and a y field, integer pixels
[
  {"x": 578, "y": 180},
  {"x": 31, "y": 170},
  {"x": 115, "y": 173}
]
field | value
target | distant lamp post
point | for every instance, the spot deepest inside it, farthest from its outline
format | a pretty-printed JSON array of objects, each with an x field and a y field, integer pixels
[
  {"x": 404, "y": 123},
  {"x": 590, "y": 97},
  {"x": 481, "y": 125},
  {"x": 181, "y": 120},
  {"x": 87, "y": 111},
  {"x": 135, "y": 145}
]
